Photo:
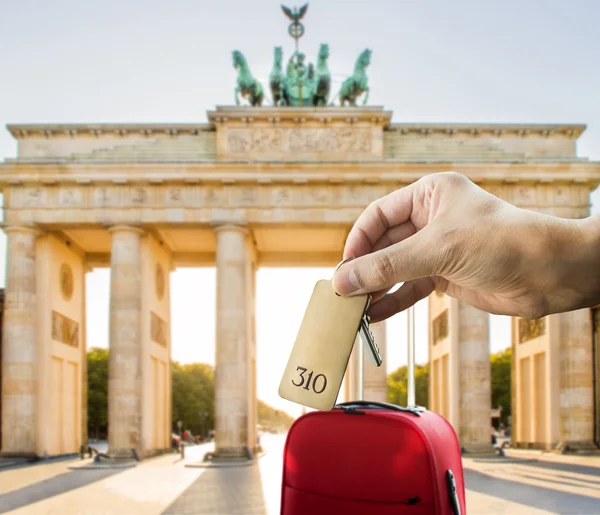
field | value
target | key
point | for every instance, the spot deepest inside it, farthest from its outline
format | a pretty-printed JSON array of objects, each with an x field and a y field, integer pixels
[
  {"x": 315, "y": 370},
  {"x": 368, "y": 339}
]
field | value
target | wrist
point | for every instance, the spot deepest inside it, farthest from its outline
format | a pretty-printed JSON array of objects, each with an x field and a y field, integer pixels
[
  {"x": 581, "y": 253},
  {"x": 590, "y": 228},
  {"x": 563, "y": 257}
]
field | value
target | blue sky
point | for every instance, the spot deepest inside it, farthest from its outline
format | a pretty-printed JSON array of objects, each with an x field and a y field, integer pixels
[{"x": 155, "y": 61}]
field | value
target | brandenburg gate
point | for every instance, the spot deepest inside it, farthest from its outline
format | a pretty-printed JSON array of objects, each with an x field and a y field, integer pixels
[
  {"x": 261, "y": 186},
  {"x": 256, "y": 186}
]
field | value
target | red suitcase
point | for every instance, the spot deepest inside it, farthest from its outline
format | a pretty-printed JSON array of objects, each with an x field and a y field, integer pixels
[{"x": 372, "y": 458}]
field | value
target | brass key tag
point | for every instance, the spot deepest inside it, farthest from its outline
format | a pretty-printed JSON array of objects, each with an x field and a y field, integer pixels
[{"x": 320, "y": 355}]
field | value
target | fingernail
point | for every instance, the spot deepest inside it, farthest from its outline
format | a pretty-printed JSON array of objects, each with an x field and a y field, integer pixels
[{"x": 346, "y": 282}]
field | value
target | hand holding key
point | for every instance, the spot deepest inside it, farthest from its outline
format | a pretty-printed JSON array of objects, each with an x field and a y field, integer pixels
[{"x": 446, "y": 234}]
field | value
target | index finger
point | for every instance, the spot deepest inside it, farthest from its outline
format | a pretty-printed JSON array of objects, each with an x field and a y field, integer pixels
[{"x": 388, "y": 211}]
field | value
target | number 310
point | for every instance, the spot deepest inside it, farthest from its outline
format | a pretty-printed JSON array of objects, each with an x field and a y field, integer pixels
[{"x": 309, "y": 379}]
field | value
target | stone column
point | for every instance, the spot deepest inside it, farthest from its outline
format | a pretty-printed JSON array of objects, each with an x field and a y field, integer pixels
[
  {"x": 596, "y": 365},
  {"x": 19, "y": 352},
  {"x": 124, "y": 357},
  {"x": 375, "y": 380},
  {"x": 576, "y": 380},
  {"x": 351, "y": 392},
  {"x": 232, "y": 344},
  {"x": 84, "y": 370},
  {"x": 474, "y": 376},
  {"x": 252, "y": 352}
]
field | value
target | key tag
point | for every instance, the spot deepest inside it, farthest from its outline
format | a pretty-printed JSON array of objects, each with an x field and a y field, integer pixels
[{"x": 315, "y": 370}]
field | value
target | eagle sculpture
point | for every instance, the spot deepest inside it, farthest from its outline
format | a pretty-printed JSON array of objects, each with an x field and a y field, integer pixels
[{"x": 295, "y": 15}]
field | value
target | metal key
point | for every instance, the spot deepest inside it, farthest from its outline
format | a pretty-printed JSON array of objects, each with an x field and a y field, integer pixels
[
  {"x": 365, "y": 332},
  {"x": 369, "y": 340}
]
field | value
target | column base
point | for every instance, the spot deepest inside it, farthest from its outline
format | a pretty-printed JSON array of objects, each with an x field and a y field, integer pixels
[
  {"x": 230, "y": 457},
  {"x": 19, "y": 455},
  {"x": 481, "y": 449},
  {"x": 122, "y": 455},
  {"x": 227, "y": 454},
  {"x": 576, "y": 447}
]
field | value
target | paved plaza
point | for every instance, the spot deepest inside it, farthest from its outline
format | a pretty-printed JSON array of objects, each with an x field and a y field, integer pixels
[{"x": 523, "y": 483}]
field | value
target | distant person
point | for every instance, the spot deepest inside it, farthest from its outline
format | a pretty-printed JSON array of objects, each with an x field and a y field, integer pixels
[{"x": 443, "y": 233}]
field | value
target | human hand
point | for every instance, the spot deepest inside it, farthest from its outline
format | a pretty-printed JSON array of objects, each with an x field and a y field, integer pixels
[{"x": 446, "y": 234}]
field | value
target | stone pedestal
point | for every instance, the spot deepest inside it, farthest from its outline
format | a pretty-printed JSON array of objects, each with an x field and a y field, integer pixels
[
  {"x": 125, "y": 371},
  {"x": 19, "y": 353},
  {"x": 232, "y": 369}
]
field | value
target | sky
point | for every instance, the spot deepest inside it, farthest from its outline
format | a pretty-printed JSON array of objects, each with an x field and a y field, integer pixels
[{"x": 68, "y": 61}]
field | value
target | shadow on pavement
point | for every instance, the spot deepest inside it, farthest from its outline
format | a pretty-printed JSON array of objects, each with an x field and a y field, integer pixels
[
  {"x": 566, "y": 467},
  {"x": 533, "y": 496},
  {"x": 231, "y": 490},
  {"x": 51, "y": 487}
]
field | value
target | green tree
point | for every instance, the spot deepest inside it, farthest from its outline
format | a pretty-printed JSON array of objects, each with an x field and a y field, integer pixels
[
  {"x": 501, "y": 367},
  {"x": 398, "y": 380},
  {"x": 501, "y": 363},
  {"x": 97, "y": 375},
  {"x": 193, "y": 395},
  {"x": 270, "y": 417}
]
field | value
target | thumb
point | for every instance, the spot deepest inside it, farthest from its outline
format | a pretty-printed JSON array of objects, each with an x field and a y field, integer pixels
[{"x": 415, "y": 257}]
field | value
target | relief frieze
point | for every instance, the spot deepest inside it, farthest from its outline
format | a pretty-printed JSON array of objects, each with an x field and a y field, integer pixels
[
  {"x": 174, "y": 196},
  {"x": 524, "y": 195},
  {"x": 254, "y": 140},
  {"x": 34, "y": 197},
  {"x": 439, "y": 327},
  {"x": 139, "y": 196},
  {"x": 158, "y": 330},
  {"x": 105, "y": 197},
  {"x": 69, "y": 197},
  {"x": 561, "y": 195},
  {"x": 196, "y": 196},
  {"x": 65, "y": 330},
  {"x": 530, "y": 329},
  {"x": 245, "y": 196},
  {"x": 320, "y": 195},
  {"x": 281, "y": 196},
  {"x": 328, "y": 140},
  {"x": 213, "y": 197}
]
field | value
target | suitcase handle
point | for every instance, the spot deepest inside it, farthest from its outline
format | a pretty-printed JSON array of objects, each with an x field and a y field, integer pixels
[{"x": 414, "y": 410}]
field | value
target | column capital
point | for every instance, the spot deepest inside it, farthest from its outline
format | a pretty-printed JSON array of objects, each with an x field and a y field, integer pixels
[
  {"x": 126, "y": 228},
  {"x": 230, "y": 226},
  {"x": 25, "y": 229}
]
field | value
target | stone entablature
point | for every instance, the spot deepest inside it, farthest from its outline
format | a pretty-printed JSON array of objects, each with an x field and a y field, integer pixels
[
  {"x": 113, "y": 142},
  {"x": 481, "y": 142},
  {"x": 238, "y": 172},
  {"x": 295, "y": 134}
]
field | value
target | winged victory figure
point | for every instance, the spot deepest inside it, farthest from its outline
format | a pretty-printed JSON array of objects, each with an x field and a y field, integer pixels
[{"x": 297, "y": 14}]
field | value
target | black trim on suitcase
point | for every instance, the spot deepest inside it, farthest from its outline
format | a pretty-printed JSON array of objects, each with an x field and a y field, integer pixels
[
  {"x": 353, "y": 405},
  {"x": 452, "y": 493}
]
